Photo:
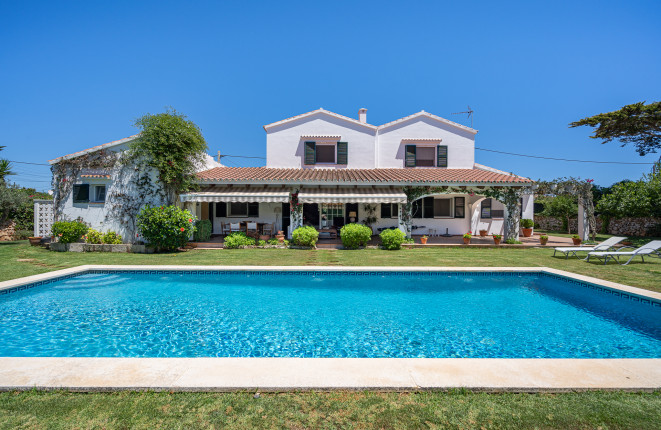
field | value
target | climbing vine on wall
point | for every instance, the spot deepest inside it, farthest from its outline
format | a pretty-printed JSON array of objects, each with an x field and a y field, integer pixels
[{"x": 573, "y": 187}]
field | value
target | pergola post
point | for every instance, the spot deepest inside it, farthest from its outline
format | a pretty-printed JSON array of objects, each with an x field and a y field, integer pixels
[
  {"x": 400, "y": 222},
  {"x": 511, "y": 227},
  {"x": 583, "y": 222}
]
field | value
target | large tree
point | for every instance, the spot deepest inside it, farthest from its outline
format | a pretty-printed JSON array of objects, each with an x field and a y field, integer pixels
[{"x": 638, "y": 123}]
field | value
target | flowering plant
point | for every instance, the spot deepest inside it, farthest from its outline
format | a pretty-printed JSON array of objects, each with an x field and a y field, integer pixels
[
  {"x": 497, "y": 236},
  {"x": 468, "y": 235},
  {"x": 166, "y": 227}
]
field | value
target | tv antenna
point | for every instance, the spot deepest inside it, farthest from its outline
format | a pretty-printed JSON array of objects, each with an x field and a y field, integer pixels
[{"x": 469, "y": 112}]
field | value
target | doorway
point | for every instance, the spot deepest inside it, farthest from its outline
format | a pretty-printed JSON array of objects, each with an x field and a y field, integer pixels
[{"x": 311, "y": 214}]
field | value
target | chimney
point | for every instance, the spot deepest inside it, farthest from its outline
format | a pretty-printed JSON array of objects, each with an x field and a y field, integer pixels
[{"x": 362, "y": 115}]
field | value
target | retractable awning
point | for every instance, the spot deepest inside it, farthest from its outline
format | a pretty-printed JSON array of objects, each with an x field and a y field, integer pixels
[
  {"x": 238, "y": 195},
  {"x": 352, "y": 195}
]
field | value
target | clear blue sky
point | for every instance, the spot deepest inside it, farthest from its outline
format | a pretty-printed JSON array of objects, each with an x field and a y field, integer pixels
[{"x": 76, "y": 74}]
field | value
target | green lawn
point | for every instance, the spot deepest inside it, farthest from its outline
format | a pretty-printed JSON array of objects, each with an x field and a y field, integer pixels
[
  {"x": 591, "y": 410},
  {"x": 19, "y": 259},
  {"x": 607, "y": 410}
]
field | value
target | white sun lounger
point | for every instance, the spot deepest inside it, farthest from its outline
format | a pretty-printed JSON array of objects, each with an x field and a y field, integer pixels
[
  {"x": 603, "y": 246},
  {"x": 650, "y": 250}
]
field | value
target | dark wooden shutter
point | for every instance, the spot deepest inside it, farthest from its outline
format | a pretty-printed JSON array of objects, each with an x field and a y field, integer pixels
[
  {"x": 81, "y": 193},
  {"x": 417, "y": 209},
  {"x": 485, "y": 211},
  {"x": 253, "y": 209},
  {"x": 386, "y": 210},
  {"x": 460, "y": 207},
  {"x": 428, "y": 204},
  {"x": 409, "y": 160},
  {"x": 441, "y": 156},
  {"x": 342, "y": 153},
  {"x": 310, "y": 152},
  {"x": 221, "y": 210}
]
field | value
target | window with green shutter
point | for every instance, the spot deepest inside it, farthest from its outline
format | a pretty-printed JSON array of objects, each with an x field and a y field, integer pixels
[
  {"x": 342, "y": 153},
  {"x": 409, "y": 160},
  {"x": 310, "y": 152},
  {"x": 460, "y": 207},
  {"x": 441, "y": 156},
  {"x": 428, "y": 207}
]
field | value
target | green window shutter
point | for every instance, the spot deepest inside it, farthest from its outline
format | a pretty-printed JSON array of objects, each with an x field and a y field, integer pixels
[
  {"x": 386, "y": 210},
  {"x": 310, "y": 152},
  {"x": 409, "y": 160},
  {"x": 81, "y": 193},
  {"x": 460, "y": 207},
  {"x": 428, "y": 204},
  {"x": 342, "y": 153},
  {"x": 441, "y": 156},
  {"x": 253, "y": 209}
]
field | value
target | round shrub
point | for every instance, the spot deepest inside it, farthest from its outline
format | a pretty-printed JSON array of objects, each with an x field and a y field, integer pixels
[
  {"x": 165, "y": 227},
  {"x": 93, "y": 236},
  {"x": 68, "y": 231},
  {"x": 392, "y": 238},
  {"x": 355, "y": 235},
  {"x": 111, "y": 238},
  {"x": 305, "y": 236},
  {"x": 202, "y": 230},
  {"x": 238, "y": 239},
  {"x": 527, "y": 223}
]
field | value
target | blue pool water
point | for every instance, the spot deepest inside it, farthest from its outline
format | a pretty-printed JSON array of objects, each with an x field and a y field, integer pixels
[{"x": 325, "y": 314}]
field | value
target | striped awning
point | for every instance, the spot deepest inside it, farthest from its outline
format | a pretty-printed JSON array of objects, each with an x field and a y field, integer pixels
[
  {"x": 352, "y": 195},
  {"x": 238, "y": 195}
]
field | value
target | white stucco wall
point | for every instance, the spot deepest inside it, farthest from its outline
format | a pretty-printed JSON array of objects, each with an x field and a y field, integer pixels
[
  {"x": 285, "y": 146},
  {"x": 460, "y": 143}
]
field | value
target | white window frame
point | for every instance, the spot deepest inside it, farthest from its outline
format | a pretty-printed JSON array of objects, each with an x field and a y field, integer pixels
[
  {"x": 451, "y": 207},
  {"x": 95, "y": 193}
]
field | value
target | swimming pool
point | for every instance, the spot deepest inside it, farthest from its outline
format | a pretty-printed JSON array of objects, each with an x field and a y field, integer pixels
[{"x": 109, "y": 313}]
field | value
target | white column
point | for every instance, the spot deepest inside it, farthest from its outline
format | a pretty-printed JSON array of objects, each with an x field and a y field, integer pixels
[
  {"x": 583, "y": 223},
  {"x": 506, "y": 224}
]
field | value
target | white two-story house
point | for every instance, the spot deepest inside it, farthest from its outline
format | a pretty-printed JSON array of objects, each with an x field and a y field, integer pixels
[{"x": 343, "y": 170}]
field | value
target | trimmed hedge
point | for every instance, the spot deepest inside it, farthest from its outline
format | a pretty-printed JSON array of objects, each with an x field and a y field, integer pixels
[
  {"x": 69, "y": 231},
  {"x": 392, "y": 239},
  {"x": 305, "y": 236},
  {"x": 355, "y": 235}
]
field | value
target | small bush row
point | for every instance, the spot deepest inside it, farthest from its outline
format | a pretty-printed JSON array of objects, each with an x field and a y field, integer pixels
[{"x": 355, "y": 235}]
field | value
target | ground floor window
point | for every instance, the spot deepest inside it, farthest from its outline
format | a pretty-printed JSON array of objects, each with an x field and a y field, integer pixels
[
  {"x": 329, "y": 212},
  {"x": 389, "y": 210},
  {"x": 439, "y": 207},
  {"x": 236, "y": 209},
  {"x": 491, "y": 209},
  {"x": 99, "y": 193}
]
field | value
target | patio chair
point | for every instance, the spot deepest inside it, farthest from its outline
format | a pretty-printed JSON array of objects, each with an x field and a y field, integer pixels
[
  {"x": 650, "y": 250},
  {"x": 267, "y": 229},
  {"x": 224, "y": 228},
  {"x": 251, "y": 227},
  {"x": 235, "y": 226},
  {"x": 603, "y": 246}
]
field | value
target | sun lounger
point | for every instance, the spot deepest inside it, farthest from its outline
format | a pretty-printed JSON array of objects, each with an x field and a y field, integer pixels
[
  {"x": 603, "y": 246},
  {"x": 649, "y": 250}
]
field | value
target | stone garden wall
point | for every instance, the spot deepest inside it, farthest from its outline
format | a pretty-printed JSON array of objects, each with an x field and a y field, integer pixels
[
  {"x": 620, "y": 226},
  {"x": 7, "y": 230}
]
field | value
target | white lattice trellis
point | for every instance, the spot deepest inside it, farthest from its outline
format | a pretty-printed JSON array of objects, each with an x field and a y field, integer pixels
[{"x": 43, "y": 217}]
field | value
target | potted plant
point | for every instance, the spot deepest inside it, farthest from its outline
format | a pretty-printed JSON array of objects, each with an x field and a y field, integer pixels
[
  {"x": 34, "y": 240},
  {"x": 467, "y": 237},
  {"x": 483, "y": 233},
  {"x": 526, "y": 226},
  {"x": 577, "y": 239},
  {"x": 280, "y": 236},
  {"x": 543, "y": 239},
  {"x": 423, "y": 240},
  {"x": 497, "y": 238}
]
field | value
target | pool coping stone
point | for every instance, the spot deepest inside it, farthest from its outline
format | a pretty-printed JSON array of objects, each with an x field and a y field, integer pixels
[{"x": 322, "y": 374}]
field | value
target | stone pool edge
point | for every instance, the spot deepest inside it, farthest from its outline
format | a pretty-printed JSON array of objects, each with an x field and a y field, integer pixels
[{"x": 323, "y": 374}]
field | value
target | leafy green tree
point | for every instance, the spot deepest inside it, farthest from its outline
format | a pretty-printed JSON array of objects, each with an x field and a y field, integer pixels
[
  {"x": 12, "y": 199},
  {"x": 174, "y": 146},
  {"x": 5, "y": 168},
  {"x": 562, "y": 207},
  {"x": 640, "y": 198},
  {"x": 636, "y": 123}
]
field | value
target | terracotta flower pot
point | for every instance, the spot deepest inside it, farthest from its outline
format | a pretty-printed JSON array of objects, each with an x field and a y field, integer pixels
[
  {"x": 423, "y": 240},
  {"x": 497, "y": 241},
  {"x": 467, "y": 240},
  {"x": 280, "y": 237},
  {"x": 527, "y": 232},
  {"x": 34, "y": 241},
  {"x": 483, "y": 233},
  {"x": 543, "y": 241},
  {"x": 576, "y": 241}
]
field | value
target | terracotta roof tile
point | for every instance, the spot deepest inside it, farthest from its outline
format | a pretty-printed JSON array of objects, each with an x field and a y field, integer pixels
[{"x": 391, "y": 176}]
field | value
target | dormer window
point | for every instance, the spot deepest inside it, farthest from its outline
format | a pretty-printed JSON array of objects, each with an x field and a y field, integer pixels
[
  {"x": 325, "y": 152},
  {"x": 426, "y": 156}
]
